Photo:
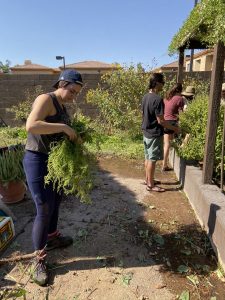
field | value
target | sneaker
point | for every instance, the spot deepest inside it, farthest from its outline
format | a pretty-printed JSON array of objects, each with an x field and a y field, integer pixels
[
  {"x": 39, "y": 272},
  {"x": 59, "y": 242}
]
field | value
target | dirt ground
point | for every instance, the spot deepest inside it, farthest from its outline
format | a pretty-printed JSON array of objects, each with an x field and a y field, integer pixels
[{"x": 128, "y": 244}]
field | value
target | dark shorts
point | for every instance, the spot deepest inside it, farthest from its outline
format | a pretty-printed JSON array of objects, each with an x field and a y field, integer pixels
[
  {"x": 172, "y": 122},
  {"x": 153, "y": 148}
]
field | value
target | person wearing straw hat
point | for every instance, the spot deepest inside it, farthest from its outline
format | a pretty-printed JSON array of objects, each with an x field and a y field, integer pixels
[{"x": 188, "y": 95}]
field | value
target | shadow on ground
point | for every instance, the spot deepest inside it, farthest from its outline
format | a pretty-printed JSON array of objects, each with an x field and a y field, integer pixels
[{"x": 125, "y": 228}]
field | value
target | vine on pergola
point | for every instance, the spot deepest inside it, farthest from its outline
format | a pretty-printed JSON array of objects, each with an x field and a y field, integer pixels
[{"x": 205, "y": 24}]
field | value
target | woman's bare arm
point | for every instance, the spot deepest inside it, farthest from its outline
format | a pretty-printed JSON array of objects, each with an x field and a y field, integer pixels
[{"x": 36, "y": 123}]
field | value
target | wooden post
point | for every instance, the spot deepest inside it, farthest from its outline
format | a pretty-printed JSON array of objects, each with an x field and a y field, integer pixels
[
  {"x": 214, "y": 106},
  {"x": 180, "y": 65}
]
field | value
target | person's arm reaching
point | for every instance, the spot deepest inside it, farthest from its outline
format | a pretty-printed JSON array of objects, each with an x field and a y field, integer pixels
[{"x": 166, "y": 124}]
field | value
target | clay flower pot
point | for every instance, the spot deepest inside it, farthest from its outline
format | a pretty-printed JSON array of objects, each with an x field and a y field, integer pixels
[
  {"x": 12, "y": 186},
  {"x": 13, "y": 191}
]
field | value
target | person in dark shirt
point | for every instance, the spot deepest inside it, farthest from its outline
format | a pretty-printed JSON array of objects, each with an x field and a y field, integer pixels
[
  {"x": 153, "y": 124},
  {"x": 47, "y": 123}
]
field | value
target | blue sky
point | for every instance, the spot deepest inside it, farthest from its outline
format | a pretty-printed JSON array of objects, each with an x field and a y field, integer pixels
[{"x": 123, "y": 31}]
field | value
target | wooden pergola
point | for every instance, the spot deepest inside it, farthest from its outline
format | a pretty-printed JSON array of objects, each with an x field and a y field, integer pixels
[{"x": 202, "y": 30}]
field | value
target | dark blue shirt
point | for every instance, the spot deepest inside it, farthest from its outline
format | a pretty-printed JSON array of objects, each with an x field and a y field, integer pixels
[{"x": 152, "y": 106}]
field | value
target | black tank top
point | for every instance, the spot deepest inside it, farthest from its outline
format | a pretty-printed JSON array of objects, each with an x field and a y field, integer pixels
[{"x": 41, "y": 142}]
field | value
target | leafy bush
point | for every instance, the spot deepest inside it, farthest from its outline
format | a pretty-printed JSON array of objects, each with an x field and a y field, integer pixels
[
  {"x": 5, "y": 68},
  {"x": 118, "y": 98},
  {"x": 23, "y": 109},
  {"x": 202, "y": 87},
  {"x": 169, "y": 83},
  {"x": 194, "y": 122},
  {"x": 12, "y": 136}
]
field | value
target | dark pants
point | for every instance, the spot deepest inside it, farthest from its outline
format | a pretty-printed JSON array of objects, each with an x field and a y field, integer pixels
[{"x": 46, "y": 200}]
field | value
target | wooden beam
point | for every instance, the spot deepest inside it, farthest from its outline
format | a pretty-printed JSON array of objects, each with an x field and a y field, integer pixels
[
  {"x": 213, "y": 113},
  {"x": 180, "y": 72}
]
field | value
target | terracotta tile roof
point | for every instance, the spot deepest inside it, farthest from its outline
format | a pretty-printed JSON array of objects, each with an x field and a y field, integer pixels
[
  {"x": 91, "y": 64},
  {"x": 56, "y": 70},
  {"x": 29, "y": 67},
  {"x": 173, "y": 64}
]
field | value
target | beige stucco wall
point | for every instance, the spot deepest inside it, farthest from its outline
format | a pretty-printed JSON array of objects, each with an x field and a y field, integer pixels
[
  {"x": 202, "y": 63},
  {"x": 208, "y": 63}
]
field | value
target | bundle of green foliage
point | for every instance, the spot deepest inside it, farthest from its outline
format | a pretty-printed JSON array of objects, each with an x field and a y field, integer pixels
[
  {"x": 194, "y": 123},
  {"x": 12, "y": 136},
  {"x": 69, "y": 163},
  {"x": 23, "y": 108},
  {"x": 11, "y": 164},
  {"x": 118, "y": 98}
]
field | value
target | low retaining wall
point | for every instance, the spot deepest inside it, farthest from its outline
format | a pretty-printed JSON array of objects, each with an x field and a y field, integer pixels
[{"x": 207, "y": 201}]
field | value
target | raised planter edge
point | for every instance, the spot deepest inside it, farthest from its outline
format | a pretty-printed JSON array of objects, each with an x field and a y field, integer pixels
[{"x": 207, "y": 201}]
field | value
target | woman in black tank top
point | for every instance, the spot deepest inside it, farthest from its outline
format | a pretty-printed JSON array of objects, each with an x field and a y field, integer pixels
[{"x": 47, "y": 123}]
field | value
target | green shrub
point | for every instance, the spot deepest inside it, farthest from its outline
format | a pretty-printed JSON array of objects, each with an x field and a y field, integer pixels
[
  {"x": 194, "y": 122},
  {"x": 118, "y": 98},
  {"x": 12, "y": 136},
  {"x": 202, "y": 87},
  {"x": 23, "y": 108}
]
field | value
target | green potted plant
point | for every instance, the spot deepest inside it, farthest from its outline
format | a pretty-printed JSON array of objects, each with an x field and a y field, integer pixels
[{"x": 12, "y": 186}]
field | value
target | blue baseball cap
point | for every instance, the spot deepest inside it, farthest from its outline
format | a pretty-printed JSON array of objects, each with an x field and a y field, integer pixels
[{"x": 70, "y": 76}]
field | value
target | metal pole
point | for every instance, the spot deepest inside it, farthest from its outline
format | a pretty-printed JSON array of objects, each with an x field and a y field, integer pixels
[
  {"x": 64, "y": 65},
  {"x": 192, "y": 50}
]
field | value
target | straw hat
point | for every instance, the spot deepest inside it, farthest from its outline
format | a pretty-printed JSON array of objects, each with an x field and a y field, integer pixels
[{"x": 190, "y": 91}]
